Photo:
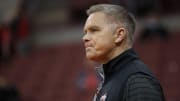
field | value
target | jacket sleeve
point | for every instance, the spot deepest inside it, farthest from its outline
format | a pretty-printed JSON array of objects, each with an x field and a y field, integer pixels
[{"x": 140, "y": 87}]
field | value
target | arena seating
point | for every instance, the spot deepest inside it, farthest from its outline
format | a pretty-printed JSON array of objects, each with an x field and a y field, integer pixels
[{"x": 49, "y": 74}]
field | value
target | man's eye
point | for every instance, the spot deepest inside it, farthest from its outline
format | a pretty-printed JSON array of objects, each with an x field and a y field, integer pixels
[{"x": 94, "y": 30}]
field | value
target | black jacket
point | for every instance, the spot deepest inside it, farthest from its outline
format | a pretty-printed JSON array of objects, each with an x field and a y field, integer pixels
[{"x": 127, "y": 78}]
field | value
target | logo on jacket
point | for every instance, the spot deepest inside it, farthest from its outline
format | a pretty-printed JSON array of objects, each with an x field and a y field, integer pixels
[{"x": 103, "y": 98}]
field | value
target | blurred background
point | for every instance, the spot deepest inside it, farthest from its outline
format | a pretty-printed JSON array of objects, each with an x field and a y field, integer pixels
[{"x": 42, "y": 56}]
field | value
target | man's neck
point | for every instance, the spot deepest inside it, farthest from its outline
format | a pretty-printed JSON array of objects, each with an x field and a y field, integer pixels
[{"x": 116, "y": 52}]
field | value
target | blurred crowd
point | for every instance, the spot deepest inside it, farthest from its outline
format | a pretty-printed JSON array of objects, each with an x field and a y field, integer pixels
[{"x": 14, "y": 36}]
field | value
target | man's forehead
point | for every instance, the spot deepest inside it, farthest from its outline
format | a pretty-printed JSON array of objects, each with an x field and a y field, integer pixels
[
  {"x": 96, "y": 19},
  {"x": 100, "y": 16},
  {"x": 92, "y": 24}
]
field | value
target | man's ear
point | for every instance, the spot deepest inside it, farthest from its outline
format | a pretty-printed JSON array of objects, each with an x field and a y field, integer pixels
[{"x": 120, "y": 35}]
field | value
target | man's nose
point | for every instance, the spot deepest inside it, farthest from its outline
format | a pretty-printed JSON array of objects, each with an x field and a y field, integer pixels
[{"x": 85, "y": 37}]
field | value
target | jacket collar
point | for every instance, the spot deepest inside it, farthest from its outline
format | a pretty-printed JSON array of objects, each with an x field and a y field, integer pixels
[{"x": 116, "y": 64}]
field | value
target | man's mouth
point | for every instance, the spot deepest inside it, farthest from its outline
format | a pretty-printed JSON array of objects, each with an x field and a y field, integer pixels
[{"x": 88, "y": 45}]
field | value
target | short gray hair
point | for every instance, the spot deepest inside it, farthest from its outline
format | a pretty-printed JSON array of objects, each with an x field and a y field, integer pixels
[{"x": 118, "y": 12}]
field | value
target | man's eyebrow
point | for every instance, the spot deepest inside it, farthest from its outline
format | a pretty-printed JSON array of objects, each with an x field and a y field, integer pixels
[{"x": 92, "y": 28}]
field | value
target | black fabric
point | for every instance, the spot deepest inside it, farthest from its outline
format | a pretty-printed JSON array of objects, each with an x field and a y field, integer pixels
[
  {"x": 141, "y": 87},
  {"x": 116, "y": 74}
]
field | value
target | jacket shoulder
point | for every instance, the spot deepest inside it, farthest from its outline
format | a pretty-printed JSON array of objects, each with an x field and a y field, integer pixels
[{"x": 140, "y": 87}]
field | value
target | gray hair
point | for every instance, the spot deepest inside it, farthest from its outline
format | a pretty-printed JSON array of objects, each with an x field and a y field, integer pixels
[{"x": 120, "y": 14}]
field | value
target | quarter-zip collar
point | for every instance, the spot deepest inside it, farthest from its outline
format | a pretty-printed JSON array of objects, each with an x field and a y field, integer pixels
[{"x": 116, "y": 64}]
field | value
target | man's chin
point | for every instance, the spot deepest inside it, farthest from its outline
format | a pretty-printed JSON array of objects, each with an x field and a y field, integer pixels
[{"x": 92, "y": 58}]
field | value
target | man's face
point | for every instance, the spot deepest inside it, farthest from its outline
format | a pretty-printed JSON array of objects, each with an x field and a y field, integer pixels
[{"x": 99, "y": 37}]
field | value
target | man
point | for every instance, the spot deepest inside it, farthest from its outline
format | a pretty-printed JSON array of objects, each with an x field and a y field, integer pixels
[{"x": 108, "y": 39}]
